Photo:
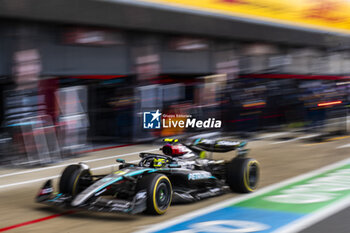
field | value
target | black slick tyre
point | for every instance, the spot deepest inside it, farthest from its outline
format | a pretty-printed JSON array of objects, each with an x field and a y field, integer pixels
[
  {"x": 242, "y": 175},
  {"x": 159, "y": 193},
  {"x": 74, "y": 179}
]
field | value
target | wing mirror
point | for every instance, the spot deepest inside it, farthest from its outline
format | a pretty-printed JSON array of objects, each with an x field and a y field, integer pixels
[
  {"x": 242, "y": 144},
  {"x": 120, "y": 160}
]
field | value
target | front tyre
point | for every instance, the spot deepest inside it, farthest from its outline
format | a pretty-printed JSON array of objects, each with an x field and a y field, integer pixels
[
  {"x": 159, "y": 193},
  {"x": 74, "y": 179},
  {"x": 242, "y": 175}
]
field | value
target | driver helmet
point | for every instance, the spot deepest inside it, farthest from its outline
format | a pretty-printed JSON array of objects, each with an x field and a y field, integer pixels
[{"x": 159, "y": 162}]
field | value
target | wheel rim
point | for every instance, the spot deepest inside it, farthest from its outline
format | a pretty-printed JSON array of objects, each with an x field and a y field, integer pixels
[
  {"x": 163, "y": 195},
  {"x": 253, "y": 175},
  {"x": 85, "y": 180}
]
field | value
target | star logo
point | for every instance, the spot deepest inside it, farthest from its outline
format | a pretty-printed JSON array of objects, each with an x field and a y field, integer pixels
[
  {"x": 151, "y": 120},
  {"x": 155, "y": 115}
]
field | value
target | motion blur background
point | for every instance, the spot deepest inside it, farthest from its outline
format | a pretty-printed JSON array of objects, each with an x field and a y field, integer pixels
[{"x": 79, "y": 73}]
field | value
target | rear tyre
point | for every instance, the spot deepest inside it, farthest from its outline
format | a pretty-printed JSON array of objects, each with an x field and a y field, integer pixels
[
  {"x": 74, "y": 179},
  {"x": 159, "y": 193},
  {"x": 242, "y": 175}
]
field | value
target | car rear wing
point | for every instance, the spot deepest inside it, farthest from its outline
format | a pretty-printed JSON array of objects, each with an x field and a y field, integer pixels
[
  {"x": 210, "y": 145},
  {"x": 218, "y": 145}
]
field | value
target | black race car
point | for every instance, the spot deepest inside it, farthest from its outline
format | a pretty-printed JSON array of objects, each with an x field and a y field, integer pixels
[{"x": 183, "y": 174}]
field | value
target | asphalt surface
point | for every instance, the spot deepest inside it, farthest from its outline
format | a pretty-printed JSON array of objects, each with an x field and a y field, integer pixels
[
  {"x": 279, "y": 159},
  {"x": 338, "y": 223}
]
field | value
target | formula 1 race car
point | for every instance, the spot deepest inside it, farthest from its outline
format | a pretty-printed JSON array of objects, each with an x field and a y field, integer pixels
[{"x": 182, "y": 174}]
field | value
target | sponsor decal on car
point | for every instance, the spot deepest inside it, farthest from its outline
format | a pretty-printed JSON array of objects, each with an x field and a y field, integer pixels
[
  {"x": 46, "y": 191},
  {"x": 199, "y": 176}
]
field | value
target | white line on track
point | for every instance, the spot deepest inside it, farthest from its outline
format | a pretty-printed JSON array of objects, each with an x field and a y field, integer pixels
[
  {"x": 343, "y": 146},
  {"x": 234, "y": 200},
  {"x": 28, "y": 181},
  {"x": 65, "y": 164},
  {"x": 272, "y": 135},
  {"x": 53, "y": 177},
  {"x": 295, "y": 139}
]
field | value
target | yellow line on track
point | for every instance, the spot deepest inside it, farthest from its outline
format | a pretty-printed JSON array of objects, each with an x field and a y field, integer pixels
[
  {"x": 314, "y": 144},
  {"x": 327, "y": 140},
  {"x": 337, "y": 138}
]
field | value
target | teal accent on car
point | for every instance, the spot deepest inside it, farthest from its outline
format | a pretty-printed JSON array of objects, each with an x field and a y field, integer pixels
[
  {"x": 197, "y": 141},
  {"x": 134, "y": 173},
  {"x": 55, "y": 198},
  {"x": 242, "y": 144}
]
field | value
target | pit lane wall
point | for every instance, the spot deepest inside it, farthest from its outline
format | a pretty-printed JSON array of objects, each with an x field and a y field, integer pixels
[{"x": 328, "y": 15}]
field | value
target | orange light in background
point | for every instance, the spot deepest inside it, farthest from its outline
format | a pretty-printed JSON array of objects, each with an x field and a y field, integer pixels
[
  {"x": 256, "y": 104},
  {"x": 329, "y": 103}
]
